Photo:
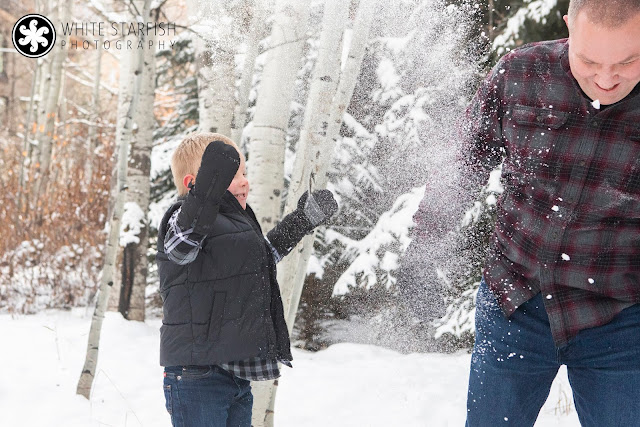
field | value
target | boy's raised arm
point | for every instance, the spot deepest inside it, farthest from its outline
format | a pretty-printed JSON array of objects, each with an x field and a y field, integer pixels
[
  {"x": 181, "y": 246},
  {"x": 219, "y": 164},
  {"x": 190, "y": 224}
]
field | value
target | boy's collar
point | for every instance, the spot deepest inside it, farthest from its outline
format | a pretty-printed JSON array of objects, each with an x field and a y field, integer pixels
[
  {"x": 231, "y": 200},
  {"x": 227, "y": 199}
]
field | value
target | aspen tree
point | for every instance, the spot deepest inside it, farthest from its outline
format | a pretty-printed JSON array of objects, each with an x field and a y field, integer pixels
[
  {"x": 134, "y": 278},
  {"x": 276, "y": 91},
  {"x": 125, "y": 125},
  {"x": 255, "y": 33},
  {"x": 266, "y": 157},
  {"x": 46, "y": 128},
  {"x": 215, "y": 46}
]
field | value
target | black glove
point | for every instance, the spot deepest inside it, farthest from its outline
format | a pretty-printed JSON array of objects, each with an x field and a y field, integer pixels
[
  {"x": 219, "y": 165},
  {"x": 312, "y": 212},
  {"x": 319, "y": 207}
]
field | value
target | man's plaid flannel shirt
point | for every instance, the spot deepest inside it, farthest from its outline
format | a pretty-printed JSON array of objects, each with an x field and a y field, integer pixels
[
  {"x": 182, "y": 247},
  {"x": 568, "y": 222}
]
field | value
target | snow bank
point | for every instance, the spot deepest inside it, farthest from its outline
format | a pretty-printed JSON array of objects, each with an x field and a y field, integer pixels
[{"x": 345, "y": 385}]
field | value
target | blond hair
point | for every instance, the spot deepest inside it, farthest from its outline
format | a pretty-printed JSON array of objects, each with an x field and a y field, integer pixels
[{"x": 187, "y": 157}]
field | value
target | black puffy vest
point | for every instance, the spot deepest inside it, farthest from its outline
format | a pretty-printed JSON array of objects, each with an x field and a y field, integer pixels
[{"x": 225, "y": 306}]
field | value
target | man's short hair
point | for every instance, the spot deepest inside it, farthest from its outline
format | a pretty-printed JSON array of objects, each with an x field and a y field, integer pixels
[
  {"x": 186, "y": 159},
  {"x": 610, "y": 13}
]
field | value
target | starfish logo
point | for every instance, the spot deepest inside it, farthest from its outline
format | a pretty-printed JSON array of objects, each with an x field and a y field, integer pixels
[{"x": 33, "y": 35}]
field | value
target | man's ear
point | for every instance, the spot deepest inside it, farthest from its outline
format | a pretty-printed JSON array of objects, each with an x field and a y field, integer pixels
[
  {"x": 565, "y": 18},
  {"x": 188, "y": 180}
]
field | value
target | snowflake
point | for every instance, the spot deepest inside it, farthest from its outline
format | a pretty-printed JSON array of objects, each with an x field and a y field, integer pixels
[{"x": 33, "y": 35}]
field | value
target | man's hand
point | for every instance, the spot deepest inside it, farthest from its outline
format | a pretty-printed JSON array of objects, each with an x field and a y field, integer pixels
[{"x": 219, "y": 165}]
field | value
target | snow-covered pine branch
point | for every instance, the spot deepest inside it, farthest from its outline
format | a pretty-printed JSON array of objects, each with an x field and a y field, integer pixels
[
  {"x": 535, "y": 10},
  {"x": 373, "y": 259}
]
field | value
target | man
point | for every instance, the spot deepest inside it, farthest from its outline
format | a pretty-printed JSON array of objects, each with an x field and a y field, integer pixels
[{"x": 561, "y": 282}]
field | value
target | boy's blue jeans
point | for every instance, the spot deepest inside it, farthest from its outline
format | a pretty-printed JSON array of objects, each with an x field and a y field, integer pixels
[
  {"x": 207, "y": 396},
  {"x": 515, "y": 360}
]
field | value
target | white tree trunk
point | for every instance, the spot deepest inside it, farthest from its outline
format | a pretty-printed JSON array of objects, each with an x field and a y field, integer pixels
[
  {"x": 252, "y": 42},
  {"x": 123, "y": 113},
  {"x": 348, "y": 80},
  {"x": 134, "y": 278},
  {"x": 295, "y": 269},
  {"x": 44, "y": 84},
  {"x": 215, "y": 53},
  {"x": 315, "y": 164},
  {"x": 26, "y": 144},
  {"x": 47, "y": 126},
  {"x": 272, "y": 111},
  {"x": 47, "y": 9},
  {"x": 40, "y": 112},
  {"x": 95, "y": 114},
  {"x": 91, "y": 360},
  {"x": 323, "y": 88},
  {"x": 312, "y": 144},
  {"x": 266, "y": 159}
]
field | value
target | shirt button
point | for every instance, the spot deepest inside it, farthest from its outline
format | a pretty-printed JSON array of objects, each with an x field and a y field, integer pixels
[
  {"x": 595, "y": 123},
  {"x": 582, "y": 163}
]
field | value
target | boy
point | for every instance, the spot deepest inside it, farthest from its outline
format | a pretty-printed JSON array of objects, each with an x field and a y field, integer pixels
[{"x": 223, "y": 321}]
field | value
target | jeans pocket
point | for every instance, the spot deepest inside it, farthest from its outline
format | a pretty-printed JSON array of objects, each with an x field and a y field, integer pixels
[
  {"x": 194, "y": 372},
  {"x": 167, "y": 398}
]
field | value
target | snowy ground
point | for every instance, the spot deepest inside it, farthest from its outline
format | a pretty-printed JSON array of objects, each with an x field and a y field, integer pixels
[{"x": 345, "y": 385}]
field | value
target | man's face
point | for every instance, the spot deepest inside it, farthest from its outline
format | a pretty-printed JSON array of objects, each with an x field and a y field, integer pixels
[
  {"x": 239, "y": 187},
  {"x": 605, "y": 61}
]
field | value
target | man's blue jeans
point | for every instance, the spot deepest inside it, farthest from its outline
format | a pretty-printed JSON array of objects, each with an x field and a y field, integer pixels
[
  {"x": 207, "y": 396},
  {"x": 515, "y": 360}
]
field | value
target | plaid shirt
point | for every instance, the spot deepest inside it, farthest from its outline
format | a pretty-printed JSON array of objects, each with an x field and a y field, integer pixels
[
  {"x": 182, "y": 247},
  {"x": 255, "y": 369},
  {"x": 568, "y": 222}
]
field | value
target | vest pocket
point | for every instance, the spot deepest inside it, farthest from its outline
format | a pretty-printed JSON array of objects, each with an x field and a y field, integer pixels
[
  {"x": 215, "y": 321},
  {"x": 207, "y": 309},
  {"x": 176, "y": 306}
]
